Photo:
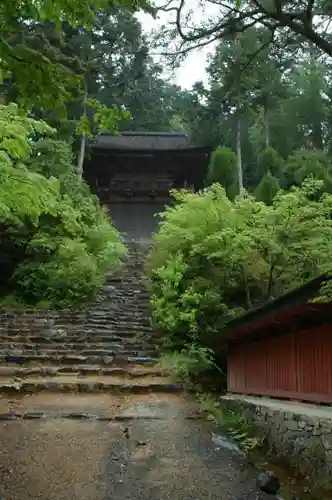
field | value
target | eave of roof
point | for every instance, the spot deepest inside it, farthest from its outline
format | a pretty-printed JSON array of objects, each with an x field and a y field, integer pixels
[
  {"x": 144, "y": 151},
  {"x": 148, "y": 134},
  {"x": 291, "y": 302},
  {"x": 141, "y": 140}
]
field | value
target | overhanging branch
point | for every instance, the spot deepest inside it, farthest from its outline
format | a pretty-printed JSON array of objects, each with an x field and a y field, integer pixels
[{"x": 298, "y": 18}]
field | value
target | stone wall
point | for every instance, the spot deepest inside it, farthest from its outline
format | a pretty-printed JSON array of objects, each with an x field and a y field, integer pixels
[{"x": 298, "y": 435}]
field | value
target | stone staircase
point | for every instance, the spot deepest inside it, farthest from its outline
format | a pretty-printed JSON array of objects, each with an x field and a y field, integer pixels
[{"x": 109, "y": 347}]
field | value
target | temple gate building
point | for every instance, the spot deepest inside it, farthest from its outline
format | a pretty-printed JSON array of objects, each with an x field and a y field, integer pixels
[{"x": 133, "y": 173}]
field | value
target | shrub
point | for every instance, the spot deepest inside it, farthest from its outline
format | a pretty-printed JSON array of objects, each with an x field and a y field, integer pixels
[
  {"x": 56, "y": 241},
  {"x": 195, "y": 266},
  {"x": 222, "y": 169},
  {"x": 269, "y": 160},
  {"x": 189, "y": 364},
  {"x": 305, "y": 163},
  {"x": 267, "y": 188},
  {"x": 213, "y": 259}
]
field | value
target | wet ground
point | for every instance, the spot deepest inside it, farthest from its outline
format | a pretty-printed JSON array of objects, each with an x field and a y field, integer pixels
[{"x": 150, "y": 447}]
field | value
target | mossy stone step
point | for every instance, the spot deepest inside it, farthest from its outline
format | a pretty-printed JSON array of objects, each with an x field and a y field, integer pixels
[
  {"x": 53, "y": 371},
  {"x": 110, "y": 384},
  {"x": 76, "y": 346},
  {"x": 75, "y": 339},
  {"x": 13, "y": 353},
  {"x": 78, "y": 359}
]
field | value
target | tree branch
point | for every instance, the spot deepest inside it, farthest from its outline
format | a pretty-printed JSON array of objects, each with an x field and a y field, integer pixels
[{"x": 298, "y": 19}]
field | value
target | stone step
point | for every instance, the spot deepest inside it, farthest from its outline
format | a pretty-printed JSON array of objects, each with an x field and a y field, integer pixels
[
  {"x": 134, "y": 299},
  {"x": 14, "y": 353},
  {"x": 123, "y": 408},
  {"x": 137, "y": 287},
  {"x": 53, "y": 371},
  {"x": 25, "y": 359},
  {"x": 138, "y": 317},
  {"x": 112, "y": 298},
  {"x": 111, "y": 305},
  {"x": 109, "y": 326},
  {"x": 95, "y": 349},
  {"x": 102, "y": 341},
  {"x": 65, "y": 383},
  {"x": 113, "y": 318},
  {"x": 109, "y": 302},
  {"x": 130, "y": 280},
  {"x": 80, "y": 335},
  {"x": 124, "y": 334},
  {"x": 76, "y": 346},
  {"x": 117, "y": 311},
  {"x": 59, "y": 333}
]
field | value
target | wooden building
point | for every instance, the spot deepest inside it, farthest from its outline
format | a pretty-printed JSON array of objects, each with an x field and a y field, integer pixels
[
  {"x": 284, "y": 349},
  {"x": 133, "y": 173}
]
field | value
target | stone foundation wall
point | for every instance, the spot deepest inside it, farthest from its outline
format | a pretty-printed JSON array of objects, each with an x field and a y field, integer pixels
[{"x": 299, "y": 437}]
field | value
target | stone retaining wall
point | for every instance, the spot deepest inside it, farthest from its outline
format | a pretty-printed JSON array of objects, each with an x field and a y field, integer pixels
[{"x": 295, "y": 439}]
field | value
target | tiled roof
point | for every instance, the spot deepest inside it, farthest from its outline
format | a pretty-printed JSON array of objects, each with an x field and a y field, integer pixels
[{"x": 142, "y": 140}]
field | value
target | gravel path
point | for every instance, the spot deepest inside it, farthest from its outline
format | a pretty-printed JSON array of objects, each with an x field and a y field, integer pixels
[{"x": 155, "y": 449}]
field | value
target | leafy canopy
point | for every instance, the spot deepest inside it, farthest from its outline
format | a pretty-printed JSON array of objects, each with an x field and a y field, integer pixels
[{"x": 41, "y": 73}]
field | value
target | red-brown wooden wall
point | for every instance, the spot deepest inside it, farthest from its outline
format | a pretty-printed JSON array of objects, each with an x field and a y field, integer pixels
[{"x": 295, "y": 365}]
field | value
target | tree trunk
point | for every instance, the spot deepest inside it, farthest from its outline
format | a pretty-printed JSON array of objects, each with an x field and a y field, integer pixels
[
  {"x": 81, "y": 154},
  {"x": 317, "y": 135},
  {"x": 239, "y": 154},
  {"x": 270, "y": 282},
  {"x": 266, "y": 127},
  {"x": 80, "y": 158},
  {"x": 246, "y": 284}
]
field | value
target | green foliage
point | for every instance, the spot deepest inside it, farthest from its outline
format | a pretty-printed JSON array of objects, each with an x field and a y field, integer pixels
[
  {"x": 282, "y": 98},
  {"x": 188, "y": 364},
  {"x": 115, "y": 76},
  {"x": 222, "y": 169},
  {"x": 269, "y": 161},
  {"x": 191, "y": 263},
  {"x": 15, "y": 130},
  {"x": 41, "y": 73},
  {"x": 325, "y": 293},
  {"x": 213, "y": 259},
  {"x": 267, "y": 188},
  {"x": 51, "y": 158},
  {"x": 304, "y": 163},
  {"x": 103, "y": 119},
  {"x": 233, "y": 422},
  {"x": 56, "y": 242}
]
